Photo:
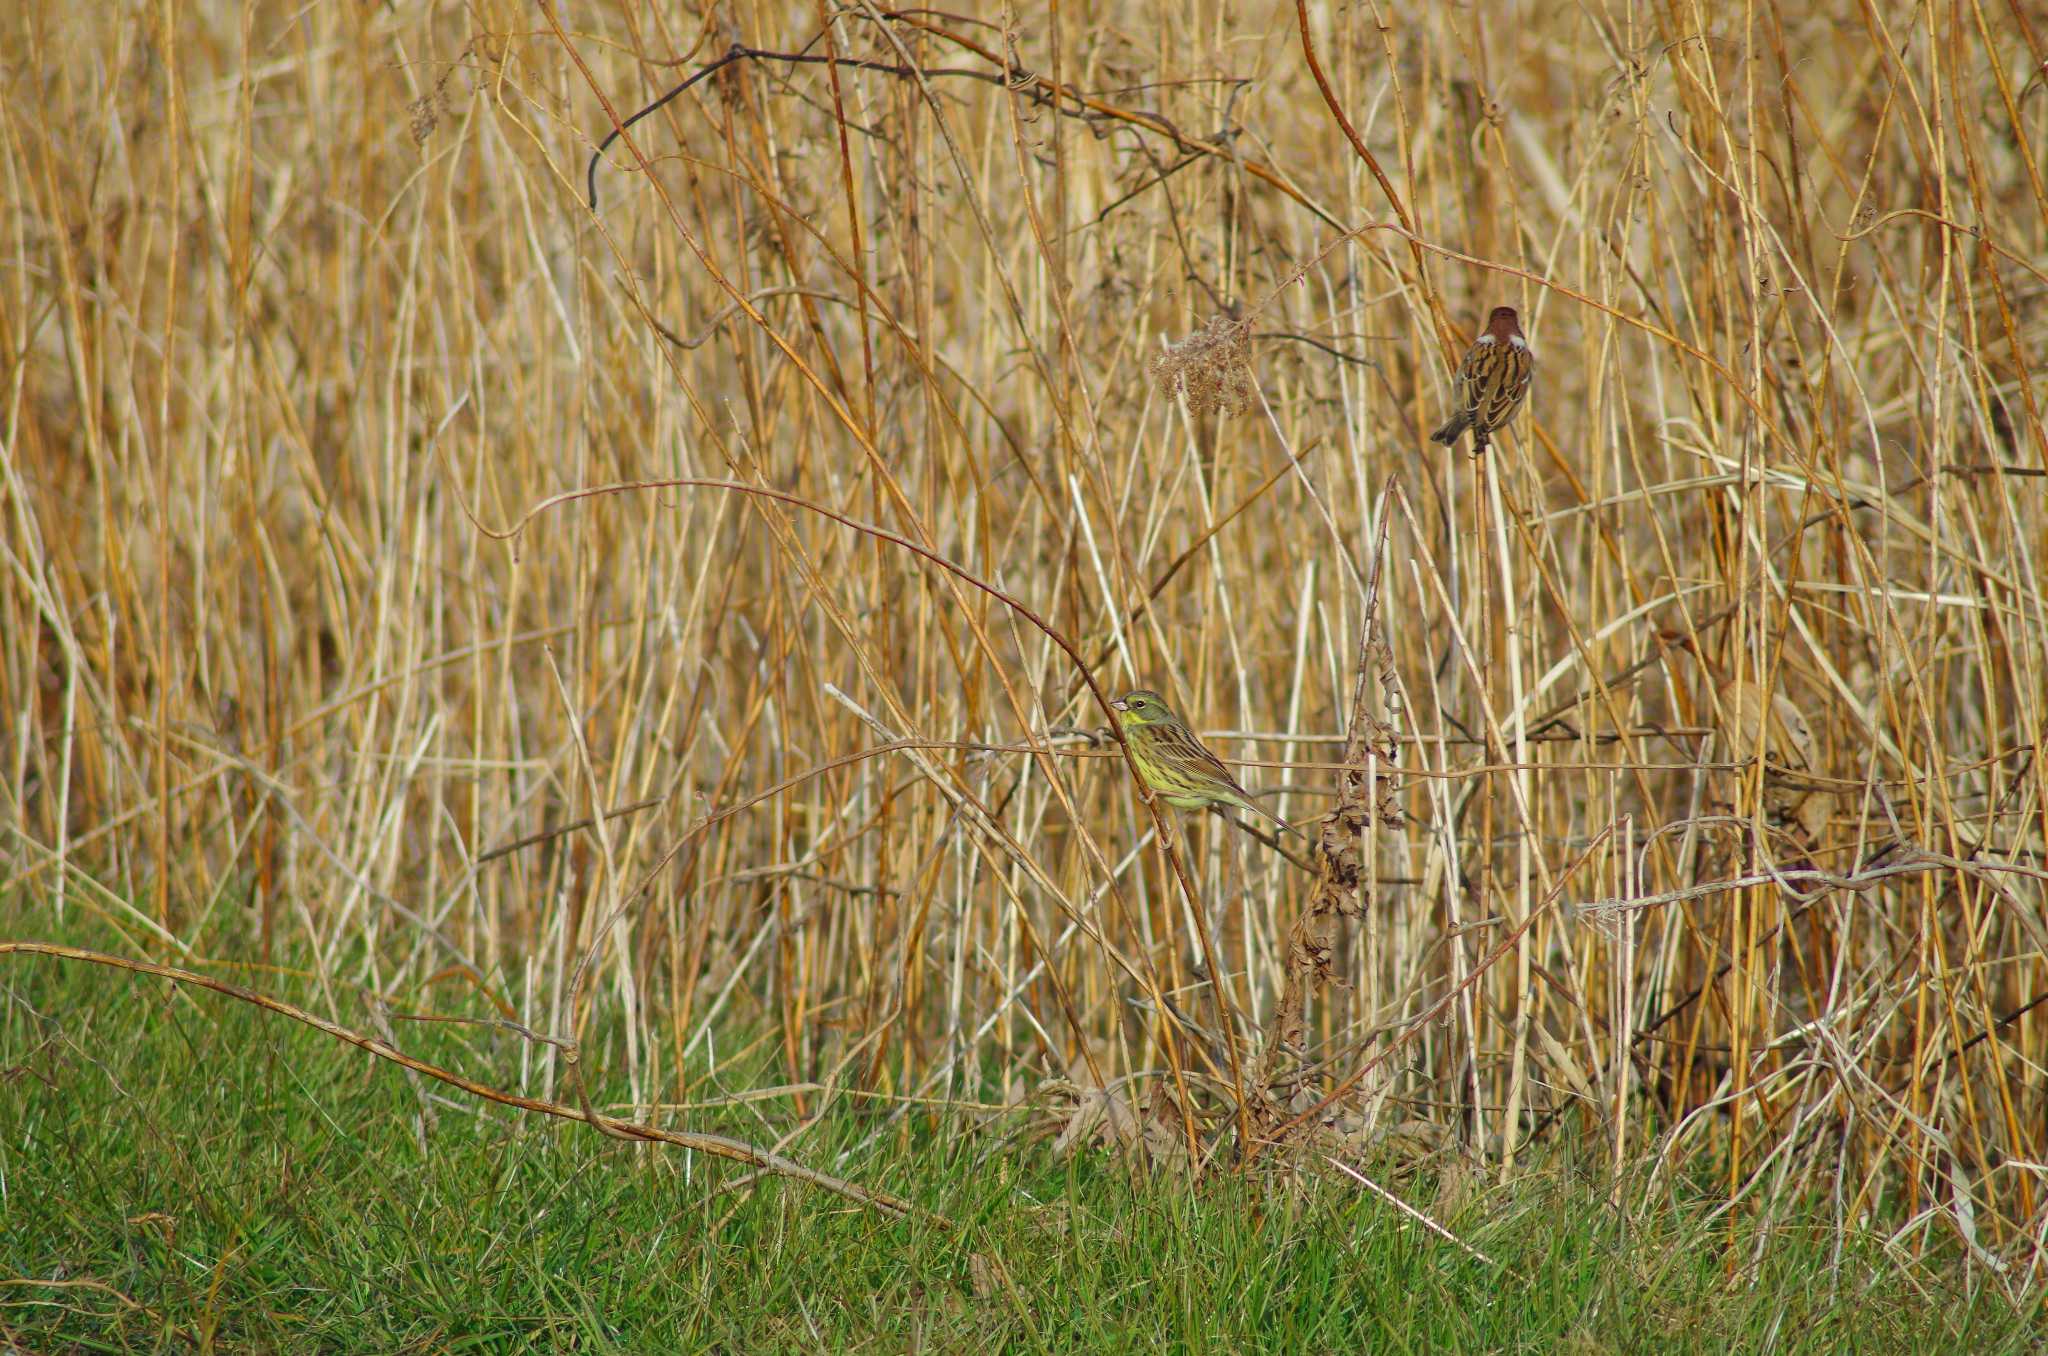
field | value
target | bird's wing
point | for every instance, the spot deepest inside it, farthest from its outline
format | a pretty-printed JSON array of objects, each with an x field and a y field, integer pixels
[
  {"x": 1190, "y": 750},
  {"x": 1500, "y": 382},
  {"x": 1469, "y": 381}
]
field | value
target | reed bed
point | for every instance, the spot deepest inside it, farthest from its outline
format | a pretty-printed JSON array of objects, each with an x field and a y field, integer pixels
[{"x": 668, "y": 602}]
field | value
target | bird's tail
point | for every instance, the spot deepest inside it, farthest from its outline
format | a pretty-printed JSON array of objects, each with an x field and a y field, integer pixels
[
  {"x": 1454, "y": 426},
  {"x": 1263, "y": 812}
]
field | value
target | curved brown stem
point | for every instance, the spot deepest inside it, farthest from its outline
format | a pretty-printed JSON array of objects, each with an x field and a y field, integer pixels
[{"x": 719, "y": 1146}]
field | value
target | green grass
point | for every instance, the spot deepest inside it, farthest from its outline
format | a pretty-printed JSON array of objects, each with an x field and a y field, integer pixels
[{"x": 182, "y": 1172}]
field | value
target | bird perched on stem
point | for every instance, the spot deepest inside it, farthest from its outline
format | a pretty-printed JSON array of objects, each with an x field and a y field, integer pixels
[
  {"x": 1491, "y": 381},
  {"x": 1172, "y": 762}
]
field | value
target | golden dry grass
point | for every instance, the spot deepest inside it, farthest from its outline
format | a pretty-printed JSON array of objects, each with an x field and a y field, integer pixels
[{"x": 304, "y": 309}]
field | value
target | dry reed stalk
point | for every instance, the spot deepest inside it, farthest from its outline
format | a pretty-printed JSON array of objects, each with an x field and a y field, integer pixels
[{"x": 287, "y": 298}]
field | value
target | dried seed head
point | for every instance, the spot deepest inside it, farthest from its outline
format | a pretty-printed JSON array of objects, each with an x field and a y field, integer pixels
[
  {"x": 1211, "y": 368},
  {"x": 426, "y": 115},
  {"x": 1609, "y": 918}
]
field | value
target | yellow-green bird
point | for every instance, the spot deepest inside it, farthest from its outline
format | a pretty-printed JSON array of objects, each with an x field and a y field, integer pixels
[{"x": 1173, "y": 762}]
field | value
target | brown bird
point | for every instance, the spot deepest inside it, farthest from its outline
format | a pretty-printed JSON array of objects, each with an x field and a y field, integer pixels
[
  {"x": 1795, "y": 790},
  {"x": 1491, "y": 381}
]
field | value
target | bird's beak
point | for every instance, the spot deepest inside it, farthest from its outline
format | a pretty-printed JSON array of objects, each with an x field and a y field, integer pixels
[{"x": 1119, "y": 705}]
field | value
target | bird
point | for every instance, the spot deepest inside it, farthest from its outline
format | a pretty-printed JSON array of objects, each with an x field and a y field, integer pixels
[
  {"x": 1173, "y": 763},
  {"x": 1785, "y": 741},
  {"x": 1491, "y": 381},
  {"x": 1794, "y": 784}
]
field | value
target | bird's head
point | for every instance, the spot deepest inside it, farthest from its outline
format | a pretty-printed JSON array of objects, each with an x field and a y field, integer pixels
[{"x": 1142, "y": 707}]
